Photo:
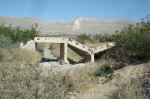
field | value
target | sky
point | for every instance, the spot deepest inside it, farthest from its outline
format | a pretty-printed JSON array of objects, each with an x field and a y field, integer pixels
[{"x": 67, "y": 10}]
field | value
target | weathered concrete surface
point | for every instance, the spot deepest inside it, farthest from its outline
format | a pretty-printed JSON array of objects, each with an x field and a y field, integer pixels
[
  {"x": 50, "y": 40},
  {"x": 30, "y": 45},
  {"x": 64, "y": 52}
]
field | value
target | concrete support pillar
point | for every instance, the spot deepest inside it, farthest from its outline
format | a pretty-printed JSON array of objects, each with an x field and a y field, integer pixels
[
  {"x": 92, "y": 58},
  {"x": 36, "y": 46},
  {"x": 63, "y": 52}
]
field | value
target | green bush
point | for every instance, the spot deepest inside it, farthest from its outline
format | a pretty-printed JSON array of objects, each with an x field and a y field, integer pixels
[
  {"x": 95, "y": 38},
  {"x": 84, "y": 38},
  {"x": 103, "y": 70},
  {"x": 17, "y": 34},
  {"x": 132, "y": 43},
  {"x": 5, "y": 41},
  {"x": 80, "y": 78},
  {"x": 102, "y": 38}
]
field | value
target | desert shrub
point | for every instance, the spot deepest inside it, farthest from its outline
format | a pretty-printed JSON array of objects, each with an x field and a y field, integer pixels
[
  {"x": 133, "y": 89},
  {"x": 137, "y": 87},
  {"x": 95, "y": 38},
  {"x": 81, "y": 78},
  {"x": 84, "y": 38},
  {"x": 132, "y": 41},
  {"x": 17, "y": 34},
  {"x": 102, "y": 38},
  {"x": 5, "y": 55},
  {"x": 5, "y": 41},
  {"x": 26, "y": 56},
  {"x": 131, "y": 44},
  {"x": 85, "y": 77},
  {"x": 23, "y": 81},
  {"x": 103, "y": 70},
  {"x": 19, "y": 55},
  {"x": 20, "y": 77}
]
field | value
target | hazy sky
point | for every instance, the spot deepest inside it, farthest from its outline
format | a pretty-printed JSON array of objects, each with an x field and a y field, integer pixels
[{"x": 62, "y": 10}]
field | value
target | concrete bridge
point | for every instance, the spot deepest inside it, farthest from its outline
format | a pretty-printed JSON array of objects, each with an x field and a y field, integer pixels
[{"x": 81, "y": 49}]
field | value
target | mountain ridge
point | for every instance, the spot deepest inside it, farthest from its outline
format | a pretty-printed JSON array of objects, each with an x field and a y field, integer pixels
[{"x": 75, "y": 27}]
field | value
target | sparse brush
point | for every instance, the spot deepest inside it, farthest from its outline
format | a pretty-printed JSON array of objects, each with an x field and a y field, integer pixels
[
  {"x": 84, "y": 38},
  {"x": 103, "y": 70},
  {"x": 133, "y": 89},
  {"x": 25, "y": 81},
  {"x": 19, "y": 55},
  {"x": 137, "y": 87},
  {"x": 102, "y": 38},
  {"x": 81, "y": 78}
]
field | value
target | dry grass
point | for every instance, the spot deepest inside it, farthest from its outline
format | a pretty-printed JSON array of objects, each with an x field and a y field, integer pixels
[
  {"x": 80, "y": 78},
  {"x": 135, "y": 86},
  {"x": 22, "y": 79},
  {"x": 83, "y": 78},
  {"x": 19, "y": 55},
  {"x": 131, "y": 82},
  {"x": 133, "y": 89}
]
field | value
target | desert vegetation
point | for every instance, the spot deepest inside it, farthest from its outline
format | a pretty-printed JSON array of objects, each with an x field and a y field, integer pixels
[
  {"x": 132, "y": 42},
  {"x": 89, "y": 38},
  {"x": 135, "y": 87},
  {"x": 20, "y": 76},
  {"x": 10, "y": 35}
]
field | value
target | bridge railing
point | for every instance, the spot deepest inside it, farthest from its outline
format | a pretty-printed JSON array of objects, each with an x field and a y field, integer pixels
[
  {"x": 79, "y": 45},
  {"x": 51, "y": 39}
]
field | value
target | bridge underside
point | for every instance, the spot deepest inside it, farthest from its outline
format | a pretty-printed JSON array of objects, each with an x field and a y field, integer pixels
[
  {"x": 63, "y": 52},
  {"x": 85, "y": 55}
]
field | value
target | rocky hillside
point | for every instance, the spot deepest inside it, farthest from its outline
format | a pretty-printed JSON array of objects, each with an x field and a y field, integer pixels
[{"x": 78, "y": 26}]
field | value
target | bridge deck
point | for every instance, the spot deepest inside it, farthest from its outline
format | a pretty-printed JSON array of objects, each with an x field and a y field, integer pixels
[{"x": 51, "y": 40}]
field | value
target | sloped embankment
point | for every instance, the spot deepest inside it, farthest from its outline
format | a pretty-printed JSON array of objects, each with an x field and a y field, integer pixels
[{"x": 120, "y": 78}]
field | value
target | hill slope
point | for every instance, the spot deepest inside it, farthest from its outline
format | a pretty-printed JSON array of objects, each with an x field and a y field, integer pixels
[{"x": 78, "y": 26}]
